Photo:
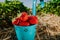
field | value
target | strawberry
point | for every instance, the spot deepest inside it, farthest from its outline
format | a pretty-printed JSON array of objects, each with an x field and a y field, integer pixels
[
  {"x": 32, "y": 17},
  {"x": 33, "y": 20},
  {"x": 25, "y": 20},
  {"x": 24, "y": 24},
  {"x": 24, "y": 16},
  {"x": 16, "y": 21}
]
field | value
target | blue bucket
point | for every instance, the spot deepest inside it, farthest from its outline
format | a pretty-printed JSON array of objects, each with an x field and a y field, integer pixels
[{"x": 25, "y": 32}]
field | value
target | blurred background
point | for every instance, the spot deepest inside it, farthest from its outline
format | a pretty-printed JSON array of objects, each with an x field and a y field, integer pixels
[{"x": 48, "y": 27}]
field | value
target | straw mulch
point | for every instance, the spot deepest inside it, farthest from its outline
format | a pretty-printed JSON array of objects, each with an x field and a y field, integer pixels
[{"x": 48, "y": 28}]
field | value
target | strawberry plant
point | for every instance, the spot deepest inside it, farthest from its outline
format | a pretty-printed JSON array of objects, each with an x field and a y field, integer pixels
[
  {"x": 10, "y": 9},
  {"x": 52, "y": 6}
]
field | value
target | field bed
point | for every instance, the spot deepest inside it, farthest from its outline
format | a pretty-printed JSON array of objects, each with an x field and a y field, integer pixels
[
  {"x": 46, "y": 30},
  {"x": 9, "y": 34}
]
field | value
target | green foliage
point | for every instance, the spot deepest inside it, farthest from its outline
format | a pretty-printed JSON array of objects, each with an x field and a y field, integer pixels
[
  {"x": 50, "y": 7},
  {"x": 11, "y": 8}
]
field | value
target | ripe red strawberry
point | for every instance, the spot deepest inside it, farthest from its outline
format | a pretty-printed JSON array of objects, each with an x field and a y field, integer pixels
[
  {"x": 16, "y": 21},
  {"x": 33, "y": 20},
  {"x": 24, "y": 16},
  {"x": 24, "y": 24}
]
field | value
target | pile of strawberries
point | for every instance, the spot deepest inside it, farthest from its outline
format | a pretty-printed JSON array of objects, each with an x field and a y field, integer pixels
[{"x": 25, "y": 20}]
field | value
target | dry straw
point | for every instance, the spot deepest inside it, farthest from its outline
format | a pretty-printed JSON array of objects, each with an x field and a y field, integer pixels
[{"x": 52, "y": 23}]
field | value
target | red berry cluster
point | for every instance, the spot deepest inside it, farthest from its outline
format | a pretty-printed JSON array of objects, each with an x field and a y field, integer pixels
[{"x": 25, "y": 20}]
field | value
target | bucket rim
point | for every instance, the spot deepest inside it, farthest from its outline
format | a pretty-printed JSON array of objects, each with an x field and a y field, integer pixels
[{"x": 25, "y": 26}]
